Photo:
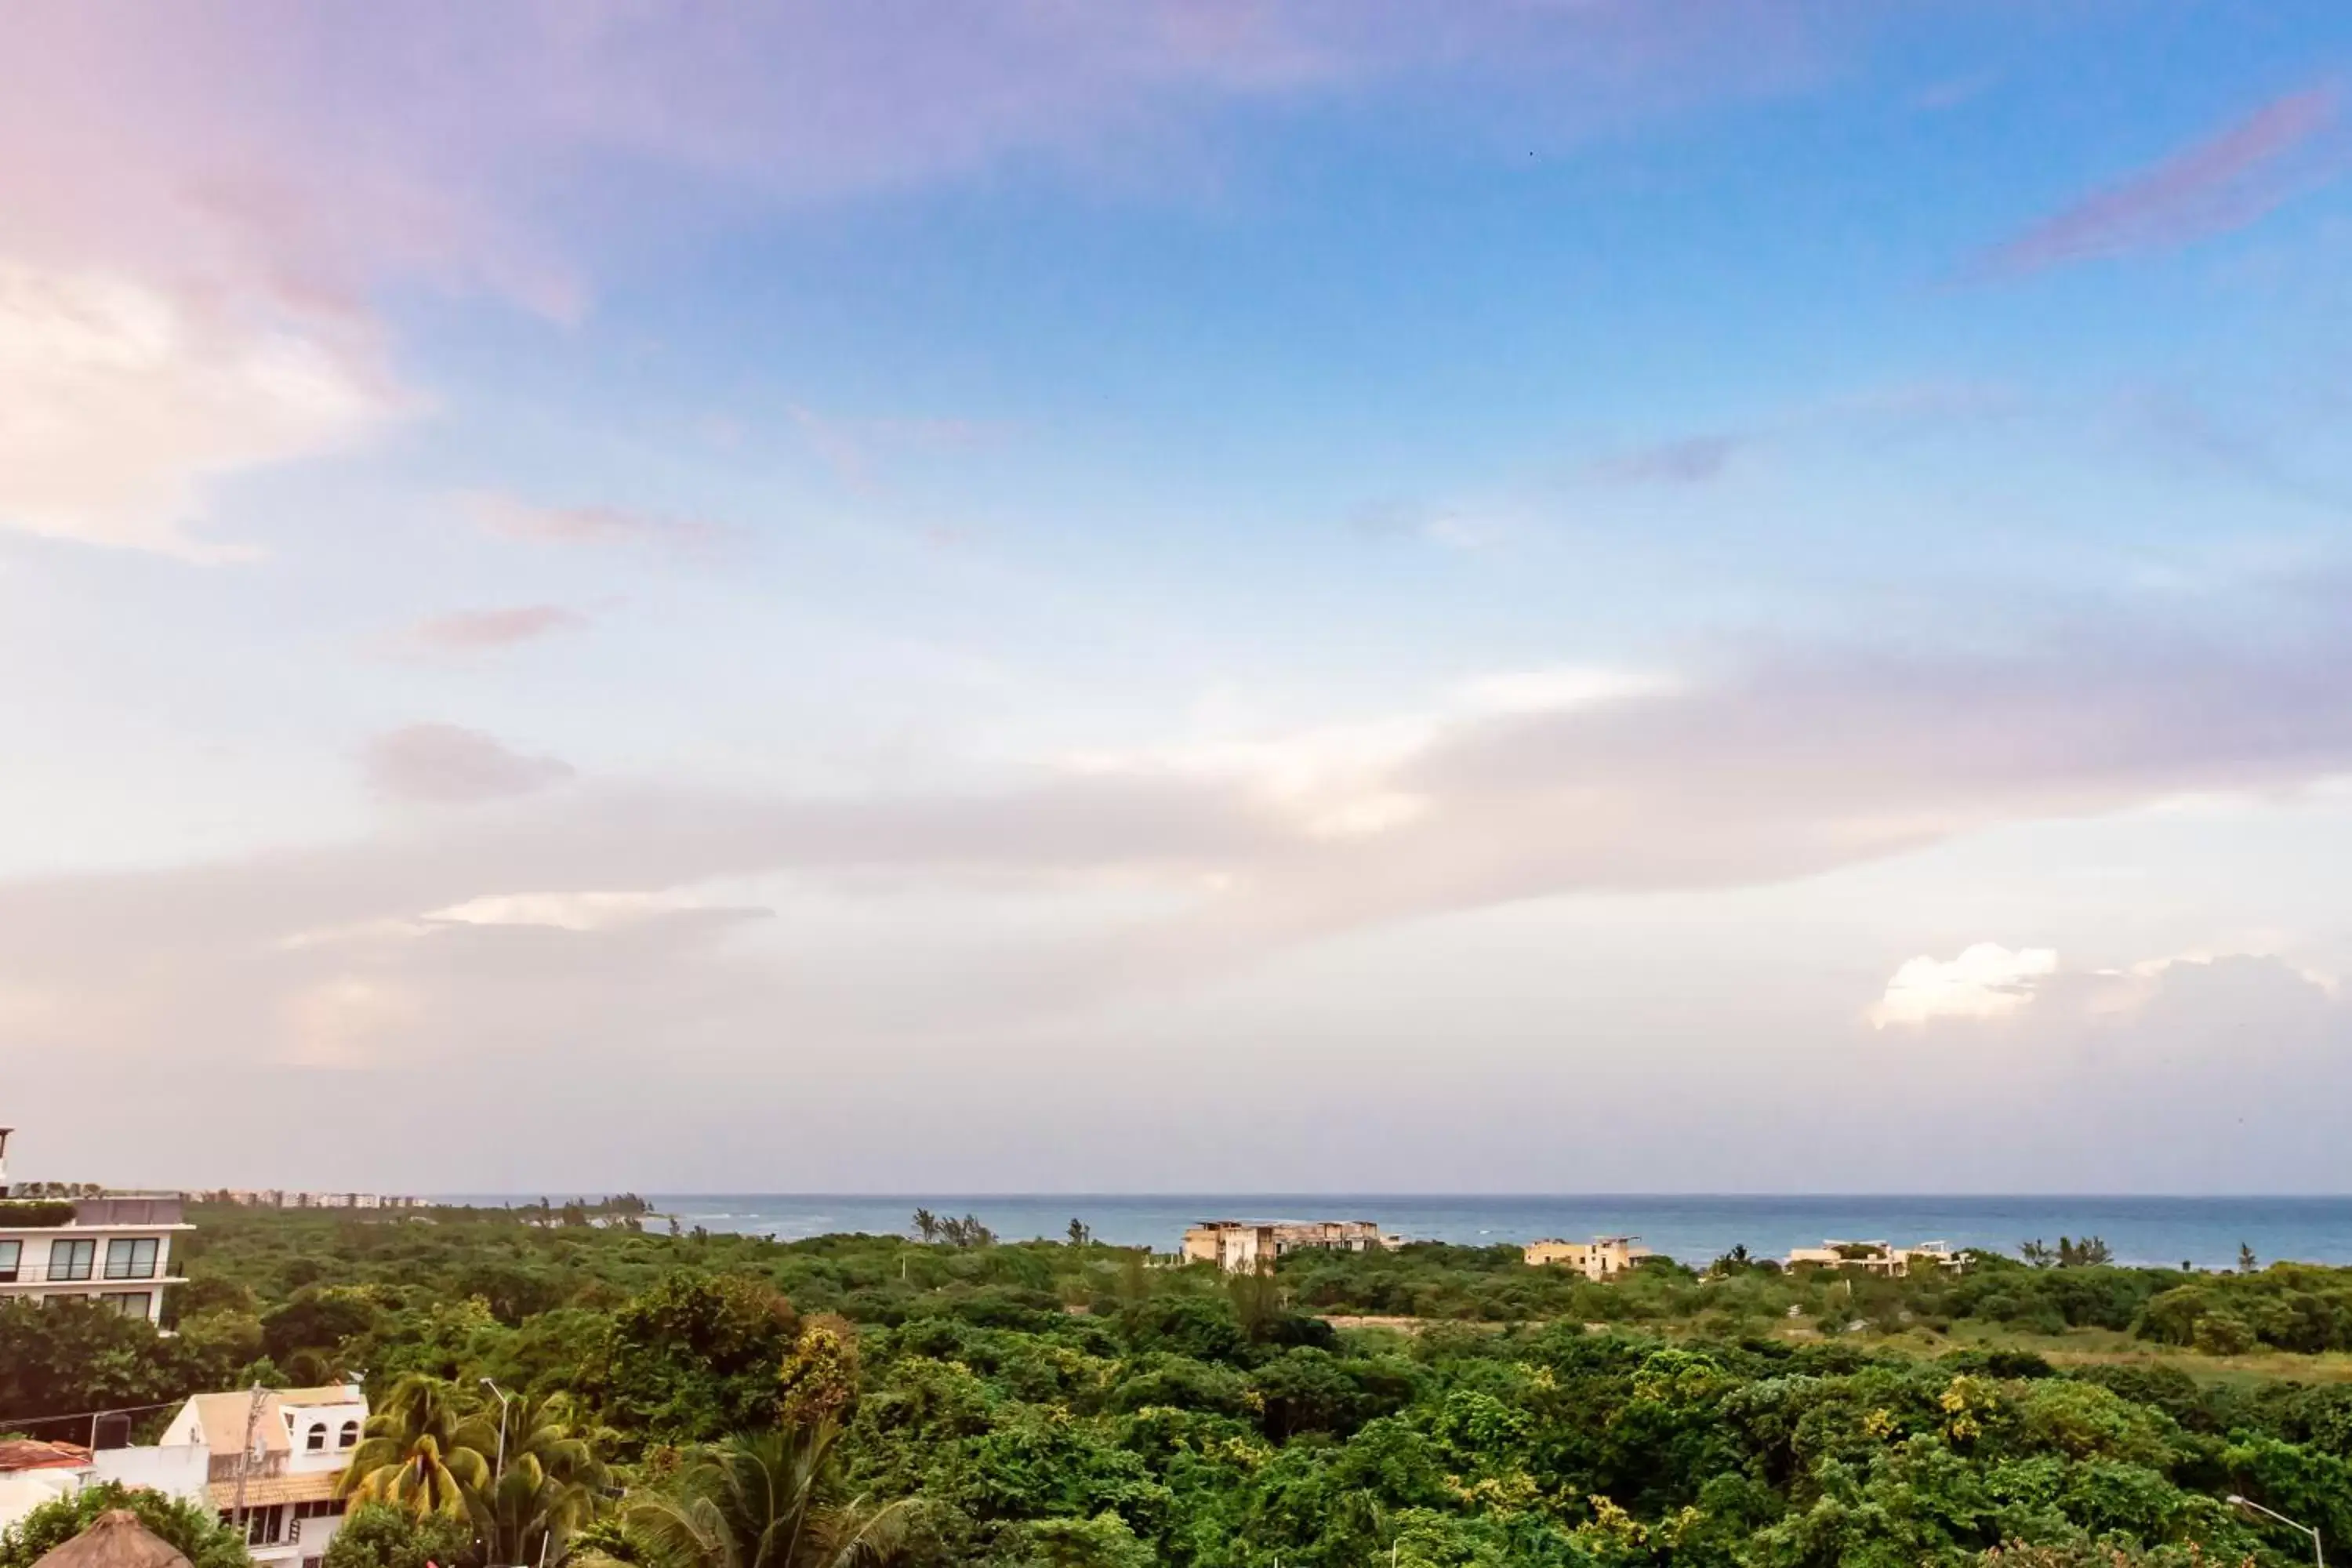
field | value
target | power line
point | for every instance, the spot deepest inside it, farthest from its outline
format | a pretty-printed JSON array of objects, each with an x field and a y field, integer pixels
[{"x": 13, "y": 1422}]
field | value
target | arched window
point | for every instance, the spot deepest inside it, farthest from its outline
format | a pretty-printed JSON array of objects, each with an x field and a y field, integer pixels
[
  {"x": 351, "y": 1435},
  {"x": 315, "y": 1440}
]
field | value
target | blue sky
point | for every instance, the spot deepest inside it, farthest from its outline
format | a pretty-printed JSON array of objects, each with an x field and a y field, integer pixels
[{"x": 797, "y": 573}]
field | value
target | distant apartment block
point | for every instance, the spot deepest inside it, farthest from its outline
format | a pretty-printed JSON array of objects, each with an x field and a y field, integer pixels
[
  {"x": 1878, "y": 1257},
  {"x": 115, "y": 1250},
  {"x": 1602, "y": 1257},
  {"x": 1242, "y": 1245},
  {"x": 275, "y": 1198}
]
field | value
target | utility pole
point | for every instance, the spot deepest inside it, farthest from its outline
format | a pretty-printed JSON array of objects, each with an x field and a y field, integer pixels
[{"x": 245, "y": 1458}]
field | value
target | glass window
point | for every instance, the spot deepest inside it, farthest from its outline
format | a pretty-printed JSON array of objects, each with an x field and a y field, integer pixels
[
  {"x": 350, "y": 1436},
  {"x": 10, "y": 1251},
  {"x": 315, "y": 1439},
  {"x": 130, "y": 1258},
  {"x": 71, "y": 1259},
  {"x": 129, "y": 1303},
  {"x": 265, "y": 1526}
]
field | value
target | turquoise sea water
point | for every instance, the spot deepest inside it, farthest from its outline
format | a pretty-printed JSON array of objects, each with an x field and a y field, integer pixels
[{"x": 2206, "y": 1232}]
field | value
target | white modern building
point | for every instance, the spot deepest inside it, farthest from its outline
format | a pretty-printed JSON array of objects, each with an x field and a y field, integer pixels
[
  {"x": 267, "y": 1456},
  {"x": 273, "y": 1456},
  {"x": 115, "y": 1250}
]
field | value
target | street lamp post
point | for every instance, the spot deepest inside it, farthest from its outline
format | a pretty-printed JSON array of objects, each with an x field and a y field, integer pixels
[
  {"x": 499, "y": 1467},
  {"x": 2236, "y": 1502}
]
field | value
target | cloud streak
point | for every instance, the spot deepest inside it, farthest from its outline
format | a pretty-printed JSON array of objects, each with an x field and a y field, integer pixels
[
  {"x": 1155, "y": 869},
  {"x": 445, "y": 764},
  {"x": 461, "y": 632},
  {"x": 2219, "y": 184},
  {"x": 587, "y": 526}
]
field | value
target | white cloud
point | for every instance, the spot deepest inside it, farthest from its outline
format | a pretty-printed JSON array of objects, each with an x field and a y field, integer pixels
[
  {"x": 1985, "y": 981},
  {"x": 123, "y": 402},
  {"x": 1557, "y": 688},
  {"x": 1338, "y": 780},
  {"x": 563, "y": 912}
]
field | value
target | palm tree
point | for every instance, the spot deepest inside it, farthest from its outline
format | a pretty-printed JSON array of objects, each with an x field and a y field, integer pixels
[
  {"x": 927, "y": 1224},
  {"x": 424, "y": 1450},
  {"x": 545, "y": 1487},
  {"x": 761, "y": 1500}
]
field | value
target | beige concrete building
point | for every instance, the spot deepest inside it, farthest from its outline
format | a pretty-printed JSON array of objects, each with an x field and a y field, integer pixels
[
  {"x": 1600, "y": 1258},
  {"x": 1239, "y": 1245},
  {"x": 1878, "y": 1257}
]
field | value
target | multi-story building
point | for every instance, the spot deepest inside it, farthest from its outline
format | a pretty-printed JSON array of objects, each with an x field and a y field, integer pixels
[
  {"x": 115, "y": 1250},
  {"x": 1878, "y": 1257},
  {"x": 1602, "y": 1257},
  {"x": 1241, "y": 1246},
  {"x": 268, "y": 1457},
  {"x": 273, "y": 1456}
]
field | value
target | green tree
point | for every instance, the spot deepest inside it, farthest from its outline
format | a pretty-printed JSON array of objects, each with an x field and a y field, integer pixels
[
  {"x": 545, "y": 1484},
  {"x": 386, "y": 1535},
  {"x": 195, "y": 1531},
  {"x": 927, "y": 1224},
  {"x": 695, "y": 1358},
  {"x": 818, "y": 1381},
  {"x": 768, "y": 1500},
  {"x": 423, "y": 1450}
]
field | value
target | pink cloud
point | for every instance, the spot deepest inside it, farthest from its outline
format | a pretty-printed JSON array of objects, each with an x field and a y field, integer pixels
[
  {"x": 445, "y": 764},
  {"x": 277, "y": 165},
  {"x": 2222, "y": 184},
  {"x": 478, "y": 631},
  {"x": 306, "y": 152},
  {"x": 585, "y": 526}
]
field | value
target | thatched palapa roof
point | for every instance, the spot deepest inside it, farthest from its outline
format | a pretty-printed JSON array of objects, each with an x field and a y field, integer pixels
[{"x": 115, "y": 1539}]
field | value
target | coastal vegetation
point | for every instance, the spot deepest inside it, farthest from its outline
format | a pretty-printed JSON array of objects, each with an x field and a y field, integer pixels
[{"x": 703, "y": 1401}]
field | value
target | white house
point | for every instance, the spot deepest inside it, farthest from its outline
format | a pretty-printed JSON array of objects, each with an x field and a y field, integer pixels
[
  {"x": 273, "y": 1455},
  {"x": 268, "y": 1456},
  {"x": 115, "y": 1250}
]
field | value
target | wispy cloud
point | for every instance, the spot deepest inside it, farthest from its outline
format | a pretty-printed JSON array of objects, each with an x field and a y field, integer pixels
[
  {"x": 2222, "y": 184},
  {"x": 509, "y": 517},
  {"x": 445, "y": 764},
  {"x": 857, "y": 450},
  {"x": 1212, "y": 853},
  {"x": 1691, "y": 461},
  {"x": 480, "y": 631}
]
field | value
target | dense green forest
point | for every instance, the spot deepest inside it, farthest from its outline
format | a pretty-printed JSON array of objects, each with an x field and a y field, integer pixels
[{"x": 691, "y": 1401}]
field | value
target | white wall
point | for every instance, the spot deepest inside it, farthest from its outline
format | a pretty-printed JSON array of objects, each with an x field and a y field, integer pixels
[{"x": 179, "y": 1470}]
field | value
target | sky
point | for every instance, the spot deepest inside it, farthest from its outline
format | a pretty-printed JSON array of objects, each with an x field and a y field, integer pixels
[{"x": 1516, "y": 595}]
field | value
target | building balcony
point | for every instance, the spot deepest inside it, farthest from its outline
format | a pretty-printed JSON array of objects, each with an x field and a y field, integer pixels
[{"x": 40, "y": 1274}]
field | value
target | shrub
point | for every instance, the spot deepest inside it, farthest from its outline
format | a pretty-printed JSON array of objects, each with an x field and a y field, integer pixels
[
  {"x": 194, "y": 1532},
  {"x": 385, "y": 1535}
]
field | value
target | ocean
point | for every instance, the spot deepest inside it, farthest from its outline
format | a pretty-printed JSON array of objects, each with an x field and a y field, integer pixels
[{"x": 2203, "y": 1232}]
